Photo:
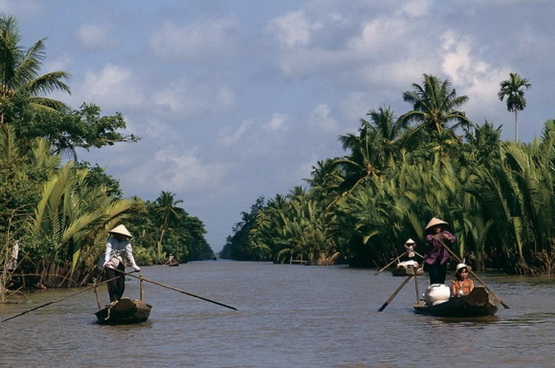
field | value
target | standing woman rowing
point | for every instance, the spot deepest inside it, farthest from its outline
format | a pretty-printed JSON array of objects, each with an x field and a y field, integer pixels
[
  {"x": 437, "y": 257},
  {"x": 118, "y": 247}
]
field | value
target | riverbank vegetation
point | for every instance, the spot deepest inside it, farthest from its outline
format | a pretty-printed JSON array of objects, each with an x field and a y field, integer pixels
[
  {"x": 55, "y": 212},
  {"x": 398, "y": 173}
]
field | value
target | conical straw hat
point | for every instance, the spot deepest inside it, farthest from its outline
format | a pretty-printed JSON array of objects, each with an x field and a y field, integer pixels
[
  {"x": 121, "y": 229},
  {"x": 435, "y": 221},
  {"x": 410, "y": 241}
]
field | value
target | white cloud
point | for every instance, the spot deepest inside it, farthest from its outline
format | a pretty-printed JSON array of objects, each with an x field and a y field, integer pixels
[
  {"x": 198, "y": 40},
  {"x": 276, "y": 122},
  {"x": 471, "y": 76},
  {"x": 95, "y": 36},
  {"x": 377, "y": 36},
  {"x": 292, "y": 29},
  {"x": 113, "y": 87},
  {"x": 185, "y": 99},
  {"x": 320, "y": 120},
  {"x": 416, "y": 8},
  {"x": 178, "y": 172},
  {"x": 228, "y": 139}
]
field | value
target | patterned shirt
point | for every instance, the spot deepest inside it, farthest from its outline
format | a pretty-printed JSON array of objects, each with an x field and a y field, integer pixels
[{"x": 461, "y": 287}]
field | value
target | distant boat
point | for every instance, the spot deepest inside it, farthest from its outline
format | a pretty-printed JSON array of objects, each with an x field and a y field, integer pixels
[
  {"x": 407, "y": 268},
  {"x": 172, "y": 262},
  {"x": 480, "y": 302},
  {"x": 124, "y": 311}
]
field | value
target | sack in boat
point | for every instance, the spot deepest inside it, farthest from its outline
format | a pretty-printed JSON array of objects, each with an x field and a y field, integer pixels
[{"x": 437, "y": 294}]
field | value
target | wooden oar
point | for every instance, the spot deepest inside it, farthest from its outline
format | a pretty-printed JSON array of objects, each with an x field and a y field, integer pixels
[
  {"x": 58, "y": 300},
  {"x": 474, "y": 274},
  {"x": 179, "y": 291},
  {"x": 389, "y": 264},
  {"x": 394, "y": 294}
]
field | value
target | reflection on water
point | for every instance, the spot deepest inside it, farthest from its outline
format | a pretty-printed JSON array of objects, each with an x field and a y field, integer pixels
[{"x": 289, "y": 315}]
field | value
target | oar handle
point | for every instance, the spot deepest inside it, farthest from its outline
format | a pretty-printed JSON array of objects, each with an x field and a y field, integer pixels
[{"x": 474, "y": 275}]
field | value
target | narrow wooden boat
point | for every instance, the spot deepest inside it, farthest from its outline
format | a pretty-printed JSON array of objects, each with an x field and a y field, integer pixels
[
  {"x": 124, "y": 311},
  {"x": 480, "y": 302},
  {"x": 407, "y": 268}
]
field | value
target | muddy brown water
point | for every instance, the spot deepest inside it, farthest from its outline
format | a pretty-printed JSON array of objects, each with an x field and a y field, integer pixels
[{"x": 289, "y": 316}]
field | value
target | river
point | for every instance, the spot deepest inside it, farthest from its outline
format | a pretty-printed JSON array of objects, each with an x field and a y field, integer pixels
[{"x": 288, "y": 316}]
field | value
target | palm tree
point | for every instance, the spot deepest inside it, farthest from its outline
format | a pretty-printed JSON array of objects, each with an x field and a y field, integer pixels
[
  {"x": 513, "y": 89},
  {"x": 434, "y": 107},
  {"x": 168, "y": 210},
  {"x": 19, "y": 71},
  {"x": 366, "y": 158},
  {"x": 69, "y": 220},
  {"x": 388, "y": 131}
]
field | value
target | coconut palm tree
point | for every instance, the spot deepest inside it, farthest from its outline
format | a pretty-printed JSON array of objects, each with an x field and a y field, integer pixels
[
  {"x": 20, "y": 68},
  {"x": 435, "y": 106},
  {"x": 513, "y": 90},
  {"x": 168, "y": 211}
]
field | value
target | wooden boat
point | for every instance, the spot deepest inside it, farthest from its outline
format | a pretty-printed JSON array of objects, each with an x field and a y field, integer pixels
[
  {"x": 407, "y": 268},
  {"x": 124, "y": 311},
  {"x": 480, "y": 302},
  {"x": 172, "y": 262}
]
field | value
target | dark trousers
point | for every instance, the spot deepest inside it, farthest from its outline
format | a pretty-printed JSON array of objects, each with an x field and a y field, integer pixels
[
  {"x": 437, "y": 273},
  {"x": 116, "y": 287}
]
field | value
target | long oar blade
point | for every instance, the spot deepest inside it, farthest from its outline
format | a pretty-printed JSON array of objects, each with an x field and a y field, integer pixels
[
  {"x": 394, "y": 294},
  {"x": 181, "y": 291}
]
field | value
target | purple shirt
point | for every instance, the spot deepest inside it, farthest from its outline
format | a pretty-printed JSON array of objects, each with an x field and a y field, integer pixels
[{"x": 438, "y": 253}]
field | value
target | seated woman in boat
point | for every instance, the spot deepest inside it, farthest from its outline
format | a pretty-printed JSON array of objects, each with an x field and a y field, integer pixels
[{"x": 462, "y": 285}]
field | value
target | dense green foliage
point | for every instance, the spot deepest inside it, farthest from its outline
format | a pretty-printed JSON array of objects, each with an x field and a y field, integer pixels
[
  {"x": 59, "y": 213},
  {"x": 499, "y": 197}
]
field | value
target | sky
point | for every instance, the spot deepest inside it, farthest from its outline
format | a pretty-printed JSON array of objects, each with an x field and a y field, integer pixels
[{"x": 239, "y": 99}]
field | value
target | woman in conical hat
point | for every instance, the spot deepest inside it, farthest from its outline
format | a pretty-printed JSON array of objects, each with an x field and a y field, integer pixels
[
  {"x": 437, "y": 257},
  {"x": 409, "y": 248},
  {"x": 118, "y": 247}
]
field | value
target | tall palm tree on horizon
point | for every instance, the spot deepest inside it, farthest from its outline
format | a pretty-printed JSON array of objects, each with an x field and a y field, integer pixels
[{"x": 513, "y": 89}]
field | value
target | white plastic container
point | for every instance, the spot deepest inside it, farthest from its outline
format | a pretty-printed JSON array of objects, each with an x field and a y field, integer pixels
[{"x": 437, "y": 294}]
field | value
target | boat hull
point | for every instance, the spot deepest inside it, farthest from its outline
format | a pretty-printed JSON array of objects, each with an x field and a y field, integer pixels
[
  {"x": 480, "y": 302},
  {"x": 125, "y": 311}
]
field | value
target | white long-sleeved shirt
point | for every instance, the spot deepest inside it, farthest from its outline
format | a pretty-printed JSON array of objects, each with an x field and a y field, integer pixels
[{"x": 116, "y": 250}]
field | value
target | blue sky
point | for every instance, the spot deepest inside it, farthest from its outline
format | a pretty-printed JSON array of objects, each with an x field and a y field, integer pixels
[{"x": 239, "y": 99}]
